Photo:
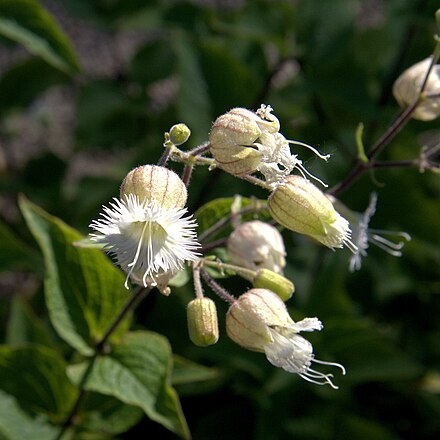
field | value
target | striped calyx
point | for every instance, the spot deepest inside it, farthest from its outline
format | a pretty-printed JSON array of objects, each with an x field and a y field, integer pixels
[
  {"x": 152, "y": 182},
  {"x": 248, "y": 320},
  {"x": 300, "y": 206},
  {"x": 232, "y": 139},
  {"x": 202, "y": 322}
]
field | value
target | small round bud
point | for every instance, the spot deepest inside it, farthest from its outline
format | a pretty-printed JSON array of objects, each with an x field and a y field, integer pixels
[
  {"x": 248, "y": 320},
  {"x": 152, "y": 182},
  {"x": 267, "y": 279},
  {"x": 202, "y": 322},
  {"x": 231, "y": 141},
  {"x": 406, "y": 90},
  {"x": 256, "y": 245},
  {"x": 179, "y": 134},
  {"x": 300, "y": 206}
]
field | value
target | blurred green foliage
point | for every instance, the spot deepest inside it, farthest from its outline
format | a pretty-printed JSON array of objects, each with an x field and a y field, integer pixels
[{"x": 87, "y": 90}]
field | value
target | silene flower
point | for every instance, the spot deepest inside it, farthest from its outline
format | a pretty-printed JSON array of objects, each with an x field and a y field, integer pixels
[
  {"x": 363, "y": 235},
  {"x": 150, "y": 242},
  {"x": 259, "y": 321},
  {"x": 243, "y": 142},
  {"x": 145, "y": 229}
]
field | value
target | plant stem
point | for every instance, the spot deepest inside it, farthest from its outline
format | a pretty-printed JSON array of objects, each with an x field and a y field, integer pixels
[
  {"x": 390, "y": 133},
  {"x": 100, "y": 348},
  {"x": 218, "y": 290}
]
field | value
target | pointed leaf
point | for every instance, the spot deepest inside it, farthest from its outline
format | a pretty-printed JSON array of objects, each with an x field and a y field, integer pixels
[
  {"x": 28, "y": 23},
  {"x": 193, "y": 102},
  {"x": 185, "y": 371},
  {"x": 24, "y": 326},
  {"x": 137, "y": 372},
  {"x": 35, "y": 375},
  {"x": 84, "y": 291},
  {"x": 14, "y": 251},
  {"x": 17, "y": 425}
]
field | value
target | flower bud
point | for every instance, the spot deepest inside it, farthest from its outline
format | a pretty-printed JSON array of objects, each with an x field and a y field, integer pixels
[
  {"x": 407, "y": 87},
  {"x": 179, "y": 134},
  {"x": 248, "y": 320},
  {"x": 256, "y": 245},
  {"x": 231, "y": 141},
  {"x": 267, "y": 279},
  {"x": 300, "y": 206},
  {"x": 152, "y": 182},
  {"x": 202, "y": 322}
]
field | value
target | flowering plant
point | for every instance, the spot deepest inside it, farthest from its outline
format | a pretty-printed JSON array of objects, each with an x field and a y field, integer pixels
[{"x": 228, "y": 262}]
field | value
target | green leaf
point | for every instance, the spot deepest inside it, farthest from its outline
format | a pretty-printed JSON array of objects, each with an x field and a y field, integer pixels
[
  {"x": 23, "y": 82},
  {"x": 108, "y": 415},
  {"x": 24, "y": 326},
  {"x": 367, "y": 352},
  {"x": 210, "y": 213},
  {"x": 84, "y": 291},
  {"x": 36, "y": 376},
  {"x": 193, "y": 101},
  {"x": 28, "y": 23},
  {"x": 362, "y": 429},
  {"x": 17, "y": 425},
  {"x": 138, "y": 372},
  {"x": 13, "y": 251},
  {"x": 234, "y": 76},
  {"x": 185, "y": 371},
  {"x": 154, "y": 61}
]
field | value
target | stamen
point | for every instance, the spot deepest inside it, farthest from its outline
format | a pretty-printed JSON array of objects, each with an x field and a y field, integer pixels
[
  {"x": 304, "y": 172},
  {"x": 331, "y": 364},
  {"x": 321, "y": 156},
  {"x": 350, "y": 245},
  {"x": 136, "y": 257},
  {"x": 327, "y": 381}
]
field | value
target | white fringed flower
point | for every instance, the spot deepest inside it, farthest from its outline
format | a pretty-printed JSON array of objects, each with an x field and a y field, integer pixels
[
  {"x": 150, "y": 242},
  {"x": 259, "y": 321},
  {"x": 363, "y": 235}
]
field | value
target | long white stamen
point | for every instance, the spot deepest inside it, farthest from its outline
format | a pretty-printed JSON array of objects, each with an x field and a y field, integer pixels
[
  {"x": 325, "y": 157},
  {"x": 132, "y": 265}
]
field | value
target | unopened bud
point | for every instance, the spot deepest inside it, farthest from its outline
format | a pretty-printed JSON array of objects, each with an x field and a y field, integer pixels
[
  {"x": 406, "y": 90},
  {"x": 248, "y": 320},
  {"x": 300, "y": 206},
  {"x": 256, "y": 245},
  {"x": 179, "y": 134},
  {"x": 152, "y": 182},
  {"x": 202, "y": 322},
  {"x": 267, "y": 279}
]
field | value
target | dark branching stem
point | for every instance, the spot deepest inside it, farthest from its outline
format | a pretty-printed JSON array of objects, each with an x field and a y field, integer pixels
[
  {"x": 165, "y": 156},
  {"x": 100, "y": 349},
  {"x": 217, "y": 289},
  {"x": 384, "y": 140}
]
